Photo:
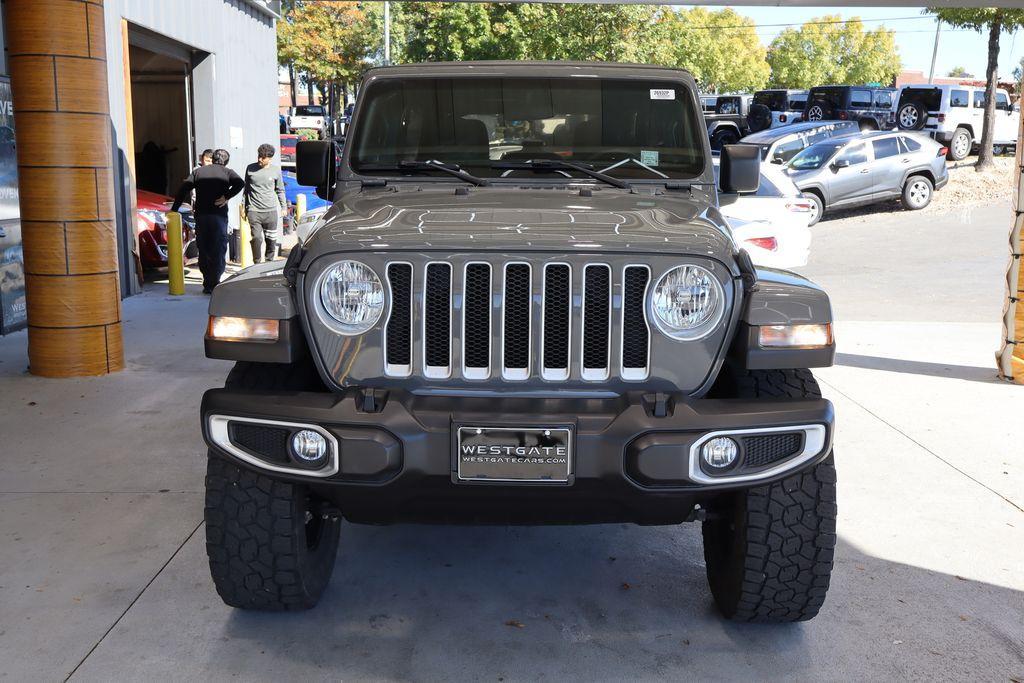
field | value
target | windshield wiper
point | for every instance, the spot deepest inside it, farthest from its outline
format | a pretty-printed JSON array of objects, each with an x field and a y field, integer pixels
[
  {"x": 425, "y": 166},
  {"x": 561, "y": 165}
]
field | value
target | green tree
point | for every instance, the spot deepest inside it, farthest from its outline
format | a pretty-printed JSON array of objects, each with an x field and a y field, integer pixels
[
  {"x": 959, "y": 72},
  {"x": 720, "y": 48},
  {"x": 995, "y": 20},
  {"x": 330, "y": 41},
  {"x": 830, "y": 50}
]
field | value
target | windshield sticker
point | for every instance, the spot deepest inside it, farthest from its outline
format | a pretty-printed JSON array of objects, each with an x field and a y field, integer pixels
[
  {"x": 663, "y": 94},
  {"x": 649, "y": 157}
]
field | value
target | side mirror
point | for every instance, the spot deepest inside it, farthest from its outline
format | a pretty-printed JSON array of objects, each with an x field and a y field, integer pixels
[
  {"x": 314, "y": 165},
  {"x": 740, "y": 169},
  {"x": 841, "y": 163}
]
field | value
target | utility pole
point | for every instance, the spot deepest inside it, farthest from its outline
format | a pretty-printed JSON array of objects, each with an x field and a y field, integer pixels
[
  {"x": 935, "y": 50},
  {"x": 387, "y": 33}
]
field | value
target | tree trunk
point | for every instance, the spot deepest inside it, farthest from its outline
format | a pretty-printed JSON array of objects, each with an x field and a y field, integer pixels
[
  {"x": 291, "y": 84},
  {"x": 310, "y": 90},
  {"x": 985, "y": 156}
]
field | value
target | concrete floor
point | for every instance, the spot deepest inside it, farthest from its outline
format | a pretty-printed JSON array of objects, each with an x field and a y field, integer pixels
[{"x": 103, "y": 571}]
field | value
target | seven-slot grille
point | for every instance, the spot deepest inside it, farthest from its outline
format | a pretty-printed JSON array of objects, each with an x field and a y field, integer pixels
[{"x": 516, "y": 323}]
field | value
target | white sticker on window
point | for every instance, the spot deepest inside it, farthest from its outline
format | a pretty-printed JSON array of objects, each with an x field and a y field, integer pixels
[
  {"x": 649, "y": 157},
  {"x": 666, "y": 94}
]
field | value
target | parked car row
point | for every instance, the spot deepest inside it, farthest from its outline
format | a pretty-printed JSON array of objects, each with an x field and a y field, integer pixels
[{"x": 952, "y": 114}]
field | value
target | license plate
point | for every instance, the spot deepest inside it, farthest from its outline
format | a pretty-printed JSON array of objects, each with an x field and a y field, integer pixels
[{"x": 508, "y": 454}]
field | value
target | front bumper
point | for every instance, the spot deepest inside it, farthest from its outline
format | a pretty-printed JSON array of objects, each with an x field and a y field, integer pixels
[{"x": 633, "y": 456}]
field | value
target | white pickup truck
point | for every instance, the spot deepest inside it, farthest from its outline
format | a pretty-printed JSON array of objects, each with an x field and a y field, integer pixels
[{"x": 310, "y": 117}]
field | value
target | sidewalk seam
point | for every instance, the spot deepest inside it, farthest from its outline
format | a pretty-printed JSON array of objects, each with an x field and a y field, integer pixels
[
  {"x": 134, "y": 600},
  {"x": 916, "y": 442}
]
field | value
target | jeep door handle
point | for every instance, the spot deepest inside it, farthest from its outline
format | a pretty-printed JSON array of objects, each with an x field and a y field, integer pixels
[
  {"x": 865, "y": 171},
  {"x": 906, "y": 161}
]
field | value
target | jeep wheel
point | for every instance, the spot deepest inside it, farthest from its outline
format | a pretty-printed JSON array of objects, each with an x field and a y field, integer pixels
[
  {"x": 720, "y": 138},
  {"x": 819, "y": 111},
  {"x": 271, "y": 544},
  {"x": 912, "y": 116},
  {"x": 917, "y": 193},
  {"x": 961, "y": 144},
  {"x": 769, "y": 554}
]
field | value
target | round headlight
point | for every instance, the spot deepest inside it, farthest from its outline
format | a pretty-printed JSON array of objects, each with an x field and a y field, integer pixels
[
  {"x": 351, "y": 294},
  {"x": 687, "y": 302}
]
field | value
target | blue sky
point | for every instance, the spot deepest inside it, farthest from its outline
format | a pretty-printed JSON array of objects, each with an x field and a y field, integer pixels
[{"x": 915, "y": 36}]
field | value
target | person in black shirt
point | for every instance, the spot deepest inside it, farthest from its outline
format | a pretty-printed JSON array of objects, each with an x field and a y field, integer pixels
[{"x": 214, "y": 185}]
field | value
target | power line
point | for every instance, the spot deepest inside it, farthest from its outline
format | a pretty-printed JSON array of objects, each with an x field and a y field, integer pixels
[{"x": 828, "y": 22}]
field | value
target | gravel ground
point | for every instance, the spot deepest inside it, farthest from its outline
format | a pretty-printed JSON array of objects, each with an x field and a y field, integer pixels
[{"x": 967, "y": 187}]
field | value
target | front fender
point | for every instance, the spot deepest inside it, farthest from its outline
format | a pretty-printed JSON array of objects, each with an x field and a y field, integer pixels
[
  {"x": 782, "y": 298},
  {"x": 260, "y": 291}
]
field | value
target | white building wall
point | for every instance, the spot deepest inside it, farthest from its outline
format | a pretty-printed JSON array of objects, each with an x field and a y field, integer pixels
[{"x": 242, "y": 73}]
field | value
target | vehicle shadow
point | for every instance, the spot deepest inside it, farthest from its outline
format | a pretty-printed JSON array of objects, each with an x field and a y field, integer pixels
[
  {"x": 613, "y": 602},
  {"x": 970, "y": 373}
]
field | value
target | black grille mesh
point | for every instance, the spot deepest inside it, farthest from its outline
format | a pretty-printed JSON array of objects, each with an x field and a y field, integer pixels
[
  {"x": 478, "y": 315},
  {"x": 634, "y": 327},
  {"x": 270, "y": 443},
  {"x": 767, "y": 449},
  {"x": 399, "y": 343},
  {"x": 437, "y": 315},
  {"x": 517, "y": 316},
  {"x": 556, "y": 316},
  {"x": 595, "y": 316}
]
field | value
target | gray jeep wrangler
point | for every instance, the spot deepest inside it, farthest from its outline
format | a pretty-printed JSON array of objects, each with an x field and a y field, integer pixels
[{"x": 523, "y": 307}]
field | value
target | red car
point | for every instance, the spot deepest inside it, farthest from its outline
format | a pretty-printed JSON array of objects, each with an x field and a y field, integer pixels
[
  {"x": 152, "y": 227},
  {"x": 288, "y": 149}
]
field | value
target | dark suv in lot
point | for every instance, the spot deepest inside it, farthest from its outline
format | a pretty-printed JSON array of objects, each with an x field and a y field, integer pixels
[
  {"x": 524, "y": 306},
  {"x": 870, "y": 106}
]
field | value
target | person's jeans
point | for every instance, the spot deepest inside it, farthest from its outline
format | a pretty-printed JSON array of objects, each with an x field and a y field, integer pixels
[
  {"x": 212, "y": 240},
  {"x": 264, "y": 229}
]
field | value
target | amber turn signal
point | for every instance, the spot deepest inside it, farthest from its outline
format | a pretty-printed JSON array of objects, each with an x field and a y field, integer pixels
[
  {"x": 227, "y": 328},
  {"x": 795, "y": 336}
]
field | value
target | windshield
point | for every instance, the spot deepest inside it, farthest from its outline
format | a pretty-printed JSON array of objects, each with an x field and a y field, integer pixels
[
  {"x": 309, "y": 111},
  {"x": 814, "y": 156},
  {"x": 628, "y": 129}
]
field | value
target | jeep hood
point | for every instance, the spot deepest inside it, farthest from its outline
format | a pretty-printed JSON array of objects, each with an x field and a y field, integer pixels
[{"x": 424, "y": 218}]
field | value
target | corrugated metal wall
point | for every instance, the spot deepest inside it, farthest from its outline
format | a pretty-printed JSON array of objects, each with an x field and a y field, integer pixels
[{"x": 238, "y": 82}]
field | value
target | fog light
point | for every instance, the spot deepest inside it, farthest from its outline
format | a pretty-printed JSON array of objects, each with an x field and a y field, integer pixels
[
  {"x": 309, "y": 447},
  {"x": 720, "y": 452}
]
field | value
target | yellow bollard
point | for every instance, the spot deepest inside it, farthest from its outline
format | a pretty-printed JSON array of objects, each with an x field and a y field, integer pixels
[
  {"x": 244, "y": 239},
  {"x": 300, "y": 207},
  {"x": 175, "y": 255}
]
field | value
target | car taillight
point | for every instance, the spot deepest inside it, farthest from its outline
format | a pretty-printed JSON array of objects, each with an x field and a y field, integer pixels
[
  {"x": 768, "y": 243},
  {"x": 941, "y": 117},
  {"x": 799, "y": 206},
  {"x": 842, "y": 116},
  {"x": 943, "y": 151},
  {"x": 782, "y": 118}
]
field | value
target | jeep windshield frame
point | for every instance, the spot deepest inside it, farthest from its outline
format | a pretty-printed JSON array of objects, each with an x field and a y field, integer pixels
[{"x": 480, "y": 121}]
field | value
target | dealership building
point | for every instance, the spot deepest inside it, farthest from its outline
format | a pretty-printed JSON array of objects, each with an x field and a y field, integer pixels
[{"x": 111, "y": 97}]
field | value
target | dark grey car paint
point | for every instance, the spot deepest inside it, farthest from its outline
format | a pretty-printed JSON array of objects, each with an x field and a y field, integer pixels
[{"x": 524, "y": 218}]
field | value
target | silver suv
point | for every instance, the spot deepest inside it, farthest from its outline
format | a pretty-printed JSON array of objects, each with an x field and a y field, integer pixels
[{"x": 853, "y": 170}]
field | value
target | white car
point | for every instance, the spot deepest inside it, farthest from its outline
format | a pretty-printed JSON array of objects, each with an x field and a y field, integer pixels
[
  {"x": 954, "y": 115},
  {"x": 773, "y": 224},
  {"x": 308, "y": 223},
  {"x": 787, "y": 106},
  {"x": 311, "y": 117}
]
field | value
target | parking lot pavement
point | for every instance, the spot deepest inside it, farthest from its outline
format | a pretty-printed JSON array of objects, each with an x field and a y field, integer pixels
[{"x": 108, "y": 578}]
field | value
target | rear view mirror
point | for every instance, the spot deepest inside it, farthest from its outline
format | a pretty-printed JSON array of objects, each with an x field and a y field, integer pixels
[
  {"x": 740, "y": 170},
  {"x": 314, "y": 165}
]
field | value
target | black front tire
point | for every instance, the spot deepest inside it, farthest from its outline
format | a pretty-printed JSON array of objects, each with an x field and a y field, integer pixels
[
  {"x": 770, "y": 550},
  {"x": 960, "y": 145},
  {"x": 819, "y": 207},
  {"x": 271, "y": 546}
]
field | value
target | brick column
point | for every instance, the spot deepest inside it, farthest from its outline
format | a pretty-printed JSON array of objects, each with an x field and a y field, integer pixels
[{"x": 62, "y": 115}]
